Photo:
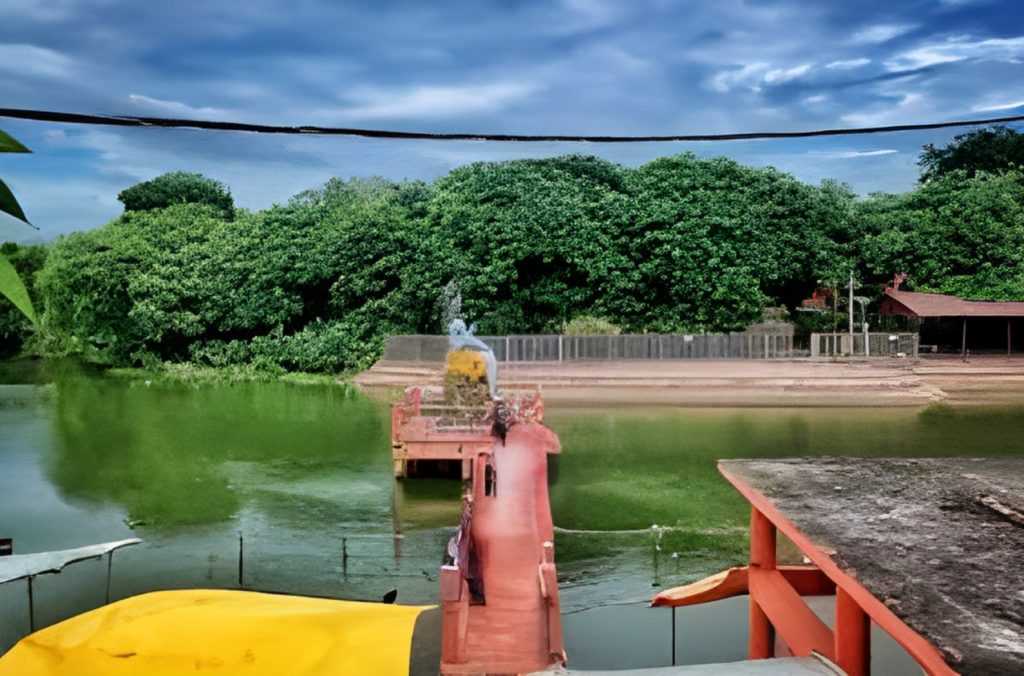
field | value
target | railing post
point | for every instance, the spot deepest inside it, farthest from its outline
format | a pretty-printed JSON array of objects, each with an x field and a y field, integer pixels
[
  {"x": 852, "y": 636},
  {"x": 762, "y": 556}
]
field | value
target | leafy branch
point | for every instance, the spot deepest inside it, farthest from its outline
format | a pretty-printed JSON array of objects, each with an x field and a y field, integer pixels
[{"x": 11, "y": 285}]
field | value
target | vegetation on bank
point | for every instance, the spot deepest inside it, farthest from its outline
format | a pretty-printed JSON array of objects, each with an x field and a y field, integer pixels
[{"x": 679, "y": 244}]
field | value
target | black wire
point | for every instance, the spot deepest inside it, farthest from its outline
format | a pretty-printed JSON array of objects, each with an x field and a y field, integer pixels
[{"x": 132, "y": 121}]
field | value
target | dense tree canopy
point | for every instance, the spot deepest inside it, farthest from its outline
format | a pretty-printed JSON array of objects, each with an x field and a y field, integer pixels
[
  {"x": 992, "y": 150},
  {"x": 178, "y": 187},
  {"x": 954, "y": 234},
  {"x": 679, "y": 244}
]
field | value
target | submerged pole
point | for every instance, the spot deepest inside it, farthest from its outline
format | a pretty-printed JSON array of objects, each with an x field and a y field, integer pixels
[
  {"x": 673, "y": 636},
  {"x": 31, "y": 606},
  {"x": 110, "y": 563},
  {"x": 241, "y": 560}
]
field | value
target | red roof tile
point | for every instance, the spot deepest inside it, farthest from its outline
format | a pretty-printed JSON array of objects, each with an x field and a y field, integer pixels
[{"x": 939, "y": 305}]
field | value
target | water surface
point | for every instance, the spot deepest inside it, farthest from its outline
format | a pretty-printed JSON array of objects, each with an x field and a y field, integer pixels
[{"x": 301, "y": 474}]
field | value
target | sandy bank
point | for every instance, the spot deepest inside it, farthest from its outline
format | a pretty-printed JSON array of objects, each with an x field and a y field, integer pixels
[{"x": 798, "y": 382}]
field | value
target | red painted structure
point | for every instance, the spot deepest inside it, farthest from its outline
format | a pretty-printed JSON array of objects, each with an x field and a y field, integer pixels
[
  {"x": 922, "y": 305},
  {"x": 423, "y": 428},
  {"x": 499, "y": 587},
  {"x": 513, "y": 623},
  {"x": 990, "y": 319},
  {"x": 779, "y": 617}
]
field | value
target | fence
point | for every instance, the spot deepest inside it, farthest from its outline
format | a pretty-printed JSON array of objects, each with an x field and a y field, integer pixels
[
  {"x": 864, "y": 345},
  {"x": 776, "y": 343},
  {"x": 358, "y": 566}
]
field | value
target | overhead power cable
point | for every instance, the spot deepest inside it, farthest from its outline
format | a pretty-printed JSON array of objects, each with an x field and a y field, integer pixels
[{"x": 164, "y": 122}]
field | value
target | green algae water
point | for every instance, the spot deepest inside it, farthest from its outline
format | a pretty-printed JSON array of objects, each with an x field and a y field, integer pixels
[{"x": 288, "y": 487}]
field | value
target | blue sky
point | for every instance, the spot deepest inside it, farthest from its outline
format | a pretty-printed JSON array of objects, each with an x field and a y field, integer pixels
[{"x": 561, "y": 67}]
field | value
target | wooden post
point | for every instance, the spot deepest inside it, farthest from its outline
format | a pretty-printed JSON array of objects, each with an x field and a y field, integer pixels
[
  {"x": 963, "y": 345},
  {"x": 1008, "y": 342},
  {"x": 762, "y": 555},
  {"x": 852, "y": 636}
]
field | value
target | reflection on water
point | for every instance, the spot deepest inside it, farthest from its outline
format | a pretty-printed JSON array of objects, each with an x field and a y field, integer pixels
[{"x": 303, "y": 474}]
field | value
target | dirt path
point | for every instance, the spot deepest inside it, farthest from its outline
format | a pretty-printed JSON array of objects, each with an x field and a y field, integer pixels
[{"x": 800, "y": 383}]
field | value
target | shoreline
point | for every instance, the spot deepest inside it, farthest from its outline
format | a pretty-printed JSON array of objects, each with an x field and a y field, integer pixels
[{"x": 800, "y": 383}]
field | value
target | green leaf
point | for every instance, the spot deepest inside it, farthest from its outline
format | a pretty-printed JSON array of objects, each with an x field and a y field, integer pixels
[
  {"x": 9, "y": 205},
  {"x": 8, "y": 144},
  {"x": 12, "y": 287}
]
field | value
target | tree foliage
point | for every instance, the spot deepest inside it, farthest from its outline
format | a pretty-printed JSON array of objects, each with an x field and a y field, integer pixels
[
  {"x": 955, "y": 234},
  {"x": 11, "y": 285},
  {"x": 992, "y": 150},
  {"x": 679, "y": 244},
  {"x": 16, "y": 326},
  {"x": 178, "y": 187}
]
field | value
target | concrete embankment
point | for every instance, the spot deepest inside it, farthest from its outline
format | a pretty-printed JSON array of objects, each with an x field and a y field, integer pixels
[{"x": 765, "y": 383}]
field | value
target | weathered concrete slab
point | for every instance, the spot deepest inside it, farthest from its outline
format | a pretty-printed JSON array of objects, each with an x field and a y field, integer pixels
[
  {"x": 939, "y": 540},
  {"x": 783, "y": 666}
]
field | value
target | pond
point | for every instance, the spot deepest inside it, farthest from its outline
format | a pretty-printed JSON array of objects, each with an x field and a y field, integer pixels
[{"x": 295, "y": 480}]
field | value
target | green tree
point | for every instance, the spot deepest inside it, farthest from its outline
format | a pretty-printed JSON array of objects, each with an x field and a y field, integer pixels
[
  {"x": 15, "y": 326},
  {"x": 712, "y": 241},
  {"x": 994, "y": 149},
  {"x": 178, "y": 187},
  {"x": 530, "y": 243},
  {"x": 955, "y": 234}
]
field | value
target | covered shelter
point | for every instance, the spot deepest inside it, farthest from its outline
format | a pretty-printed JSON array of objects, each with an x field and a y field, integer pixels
[{"x": 950, "y": 322}]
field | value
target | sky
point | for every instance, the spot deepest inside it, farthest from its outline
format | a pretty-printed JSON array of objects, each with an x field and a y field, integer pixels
[{"x": 591, "y": 67}]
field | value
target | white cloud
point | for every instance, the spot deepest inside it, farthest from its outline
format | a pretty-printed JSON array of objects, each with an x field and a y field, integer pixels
[
  {"x": 848, "y": 64},
  {"x": 434, "y": 101},
  {"x": 23, "y": 59},
  {"x": 1009, "y": 50},
  {"x": 727, "y": 79},
  {"x": 880, "y": 33},
  {"x": 754, "y": 75},
  {"x": 174, "y": 107},
  {"x": 911, "y": 108},
  {"x": 848, "y": 154},
  {"x": 782, "y": 75},
  {"x": 814, "y": 100},
  {"x": 998, "y": 106}
]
